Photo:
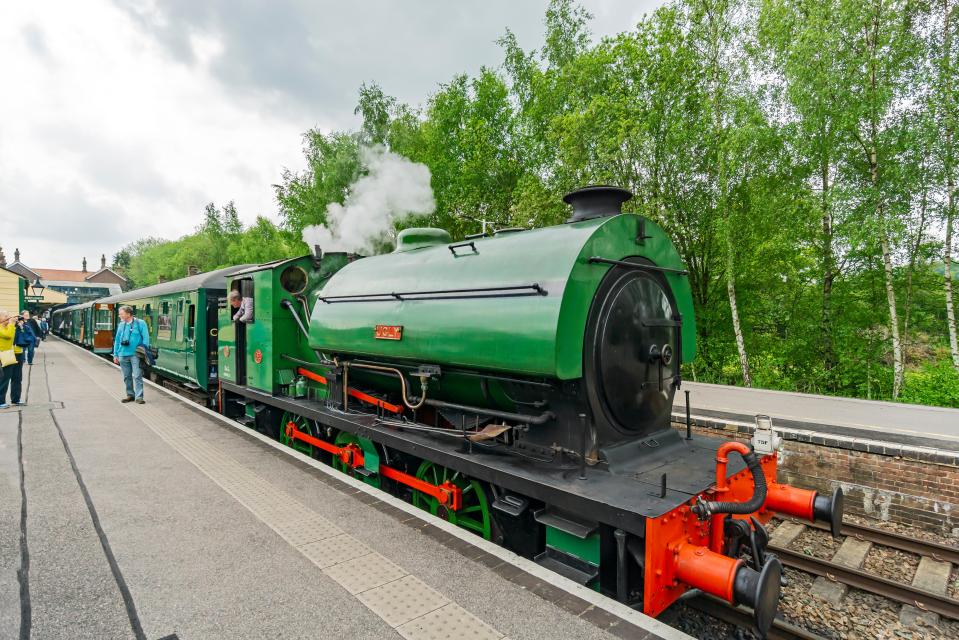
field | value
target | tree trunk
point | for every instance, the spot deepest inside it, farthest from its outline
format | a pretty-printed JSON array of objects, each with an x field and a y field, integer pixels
[
  {"x": 893, "y": 319},
  {"x": 897, "y": 368},
  {"x": 828, "y": 276},
  {"x": 722, "y": 203},
  {"x": 734, "y": 310},
  {"x": 947, "y": 260},
  {"x": 873, "y": 159},
  {"x": 950, "y": 106},
  {"x": 913, "y": 256}
]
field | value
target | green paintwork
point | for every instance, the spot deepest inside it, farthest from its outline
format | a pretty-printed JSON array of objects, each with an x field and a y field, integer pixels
[
  {"x": 419, "y": 237},
  {"x": 534, "y": 335},
  {"x": 227, "y": 352},
  {"x": 585, "y": 549},
  {"x": 273, "y": 332}
]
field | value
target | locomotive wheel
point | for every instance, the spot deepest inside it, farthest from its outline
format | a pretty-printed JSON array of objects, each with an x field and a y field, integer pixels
[
  {"x": 474, "y": 515},
  {"x": 344, "y": 438},
  {"x": 303, "y": 425}
]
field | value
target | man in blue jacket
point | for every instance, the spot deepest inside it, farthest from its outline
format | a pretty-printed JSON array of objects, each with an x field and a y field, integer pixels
[{"x": 131, "y": 333}]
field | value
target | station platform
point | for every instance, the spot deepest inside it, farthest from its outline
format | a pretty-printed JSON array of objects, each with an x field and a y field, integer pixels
[
  {"x": 167, "y": 521},
  {"x": 896, "y": 422}
]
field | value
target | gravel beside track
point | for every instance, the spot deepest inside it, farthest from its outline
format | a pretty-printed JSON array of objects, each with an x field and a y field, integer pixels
[
  {"x": 819, "y": 544},
  {"x": 892, "y": 564}
]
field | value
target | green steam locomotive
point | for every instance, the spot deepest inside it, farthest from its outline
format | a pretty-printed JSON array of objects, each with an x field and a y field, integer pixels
[{"x": 519, "y": 385}]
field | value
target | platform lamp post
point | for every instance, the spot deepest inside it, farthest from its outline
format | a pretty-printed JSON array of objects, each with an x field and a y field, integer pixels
[{"x": 36, "y": 288}]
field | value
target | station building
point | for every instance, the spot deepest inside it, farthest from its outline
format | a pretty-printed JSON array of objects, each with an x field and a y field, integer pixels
[
  {"x": 76, "y": 285},
  {"x": 12, "y": 289}
]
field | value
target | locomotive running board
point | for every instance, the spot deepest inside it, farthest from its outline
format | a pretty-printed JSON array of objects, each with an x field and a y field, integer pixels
[{"x": 602, "y": 497}]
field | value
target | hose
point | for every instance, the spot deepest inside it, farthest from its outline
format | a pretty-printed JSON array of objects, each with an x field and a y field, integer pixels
[{"x": 757, "y": 500}]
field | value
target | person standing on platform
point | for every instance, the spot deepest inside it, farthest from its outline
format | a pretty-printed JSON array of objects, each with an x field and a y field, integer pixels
[
  {"x": 35, "y": 330},
  {"x": 11, "y": 358},
  {"x": 44, "y": 328},
  {"x": 131, "y": 333}
]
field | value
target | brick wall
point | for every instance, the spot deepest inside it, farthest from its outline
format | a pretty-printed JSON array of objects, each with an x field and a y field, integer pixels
[{"x": 906, "y": 485}]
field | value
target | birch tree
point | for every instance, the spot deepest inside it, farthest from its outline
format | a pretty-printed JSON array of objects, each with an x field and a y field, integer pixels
[
  {"x": 797, "y": 40},
  {"x": 876, "y": 61},
  {"x": 946, "y": 114},
  {"x": 715, "y": 32}
]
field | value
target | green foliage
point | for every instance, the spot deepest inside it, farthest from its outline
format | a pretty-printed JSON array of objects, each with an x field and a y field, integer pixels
[
  {"x": 219, "y": 241},
  {"x": 934, "y": 383},
  {"x": 783, "y": 145}
]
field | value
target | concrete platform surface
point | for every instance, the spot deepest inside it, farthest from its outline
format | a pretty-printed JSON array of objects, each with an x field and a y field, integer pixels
[
  {"x": 909, "y": 424},
  {"x": 164, "y": 520}
]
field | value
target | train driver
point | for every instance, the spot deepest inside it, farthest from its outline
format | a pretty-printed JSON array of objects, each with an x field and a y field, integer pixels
[{"x": 244, "y": 307}]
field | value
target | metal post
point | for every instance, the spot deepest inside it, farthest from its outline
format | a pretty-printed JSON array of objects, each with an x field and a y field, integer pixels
[
  {"x": 621, "y": 567},
  {"x": 582, "y": 450},
  {"x": 689, "y": 424}
]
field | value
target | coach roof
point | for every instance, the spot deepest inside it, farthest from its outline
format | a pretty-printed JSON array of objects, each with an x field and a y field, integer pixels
[{"x": 208, "y": 280}]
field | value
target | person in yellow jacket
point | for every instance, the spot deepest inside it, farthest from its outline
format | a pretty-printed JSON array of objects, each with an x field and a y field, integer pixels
[{"x": 11, "y": 376}]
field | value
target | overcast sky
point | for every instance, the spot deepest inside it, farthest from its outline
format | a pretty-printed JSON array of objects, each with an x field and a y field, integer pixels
[{"x": 122, "y": 119}]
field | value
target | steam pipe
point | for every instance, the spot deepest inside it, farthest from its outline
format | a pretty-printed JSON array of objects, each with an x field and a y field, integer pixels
[
  {"x": 717, "y": 509},
  {"x": 399, "y": 374},
  {"x": 286, "y": 304},
  {"x": 505, "y": 415}
]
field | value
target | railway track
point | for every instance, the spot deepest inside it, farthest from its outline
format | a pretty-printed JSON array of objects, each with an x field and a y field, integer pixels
[
  {"x": 909, "y": 594},
  {"x": 742, "y": 617}
]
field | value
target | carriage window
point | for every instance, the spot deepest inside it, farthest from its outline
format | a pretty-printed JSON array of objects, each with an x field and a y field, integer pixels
[
  {"x": 191, "y": 321},
  {"x": 164, "y": 327},
  {"x": 104, "y": 320}
]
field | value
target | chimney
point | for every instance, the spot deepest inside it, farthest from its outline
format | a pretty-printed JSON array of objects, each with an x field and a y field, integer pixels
[
  {"x": 103, "y": 261},
  {"x": 3, "y": 258},
  {"x": 192, "y": 270},
  {"x": 16, "y": 255},
  {"x": 596, "y": 201},
  {"x": 84, "y": 264}
]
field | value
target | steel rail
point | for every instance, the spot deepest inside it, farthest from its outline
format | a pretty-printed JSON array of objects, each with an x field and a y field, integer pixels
[
  {"x": 894, "y": 540},
  {"x": 906, "y": 594},
  {"x": 743, "y": 617}
]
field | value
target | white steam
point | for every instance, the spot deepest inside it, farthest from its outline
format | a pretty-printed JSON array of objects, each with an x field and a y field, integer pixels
[{"x": 393, "y": 188}]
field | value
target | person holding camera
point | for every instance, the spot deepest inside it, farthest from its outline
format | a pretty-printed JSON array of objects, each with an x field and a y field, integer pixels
[
  {"x": 131, "y": 333},
  {"x": 12, "y": 339},
  {"x": 33, "y": 328}
]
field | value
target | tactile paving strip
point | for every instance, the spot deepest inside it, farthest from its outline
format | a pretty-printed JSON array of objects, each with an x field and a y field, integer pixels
[
  {"x": 326, "y": 553},
  {"x": 413, "y": 608},
  {"x": 403, "y": 600},
  {"x": 451, "y": 621},
  {"x": 364, "y": 573}
]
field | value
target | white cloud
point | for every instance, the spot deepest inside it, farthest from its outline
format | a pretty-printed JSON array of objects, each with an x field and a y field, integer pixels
[{"x": 104, "y": 132}]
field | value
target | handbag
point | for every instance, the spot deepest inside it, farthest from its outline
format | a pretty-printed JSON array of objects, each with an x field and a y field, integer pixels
[
  {"x": 146, "y": 354},
  {"x": 7, "y": 358}
]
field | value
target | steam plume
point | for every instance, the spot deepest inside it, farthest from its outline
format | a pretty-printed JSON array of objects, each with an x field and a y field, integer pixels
[{"x": 393, "y": 188}]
